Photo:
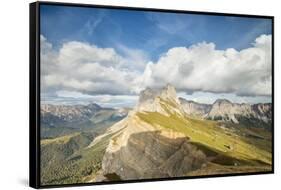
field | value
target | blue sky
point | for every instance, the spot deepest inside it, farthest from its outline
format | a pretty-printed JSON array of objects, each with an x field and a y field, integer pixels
[
  {"x": 146, "y": 37},
  {"x": 151, "y": 32}
]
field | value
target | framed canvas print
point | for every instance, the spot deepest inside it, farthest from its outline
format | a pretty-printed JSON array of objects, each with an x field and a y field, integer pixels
[{"x": 122, "y": 94}]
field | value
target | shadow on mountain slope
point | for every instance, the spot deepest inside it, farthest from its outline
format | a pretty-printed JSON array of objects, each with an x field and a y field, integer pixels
[{"x": 151, "y": 155}]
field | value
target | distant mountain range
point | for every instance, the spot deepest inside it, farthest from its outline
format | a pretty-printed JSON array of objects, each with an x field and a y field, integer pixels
[
  {"x": 57, "y": 120},
  {"x": 54, "y": 114},
  {"x": 162, "y": 136},
  {"x": 220, "y": 110},
  {"x": 255, "y": 115}
]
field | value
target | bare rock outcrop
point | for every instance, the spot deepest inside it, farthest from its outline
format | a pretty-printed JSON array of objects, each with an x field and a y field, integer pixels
[{"x": 150, "y": 154}]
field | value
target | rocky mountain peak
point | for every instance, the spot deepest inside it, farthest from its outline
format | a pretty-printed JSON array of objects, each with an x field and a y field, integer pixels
[
  {"x": 153, "y": 100},
  {"x": 167, "y": 93},
  {"x": 222, "y": 101},
  {"x": 193, "y": 108},
  {"x": 94, "y": 105},
  {"x": 148, "y": 94}
]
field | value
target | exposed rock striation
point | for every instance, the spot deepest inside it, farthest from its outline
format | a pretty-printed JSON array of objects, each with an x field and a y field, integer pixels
[
  {"x": 164, "y": 101},
  {"x": 141, "y": 150},
  {"x": 195, "y": 109},
  {"x": 224, "y": 110}
]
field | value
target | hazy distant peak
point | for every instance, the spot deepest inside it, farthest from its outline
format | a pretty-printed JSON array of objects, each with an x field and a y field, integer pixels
[
  {"x": 147, "y": 94},
  {"x": 93, "y": 105},
  {"x": 169, "y": 87},
  {"x": 191, "y": 107},
  {"x": 169, "y": 92},
  {"x": 222, "y": 101},
  {"x": 183, "y": 100}
]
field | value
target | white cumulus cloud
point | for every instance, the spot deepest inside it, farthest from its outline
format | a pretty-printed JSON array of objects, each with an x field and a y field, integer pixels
[
  {"x": 202, "y": 67},
  {"x": 89, "y": 69},
  {"x": 83, "y": 67}
]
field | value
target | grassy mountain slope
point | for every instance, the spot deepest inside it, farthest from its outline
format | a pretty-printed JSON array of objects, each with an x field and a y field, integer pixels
[
  {"x": 68, "y": 159},
  {"x": 226, "y": 144},
  {"x": 209, "y": 134}
]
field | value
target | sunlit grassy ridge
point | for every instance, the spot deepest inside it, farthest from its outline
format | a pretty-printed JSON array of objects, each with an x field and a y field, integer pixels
[
  {"x": 209, "y": 134},
  {"x": 62, "y": 139}
]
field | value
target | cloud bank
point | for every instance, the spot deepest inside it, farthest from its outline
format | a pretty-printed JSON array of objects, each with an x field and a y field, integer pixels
[
  {"x": 89, "y": 69},
  {"x": 201, "y": 67},
  {"x": 86, "y": 68}
]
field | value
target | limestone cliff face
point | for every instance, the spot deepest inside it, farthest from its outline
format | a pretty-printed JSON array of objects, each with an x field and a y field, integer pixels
[
  {"x": 227, "y": 111},
  {"x": 142, "y": 150},
  {"x": 195, "y": 109},
  {"x": 164, "y": 101}
]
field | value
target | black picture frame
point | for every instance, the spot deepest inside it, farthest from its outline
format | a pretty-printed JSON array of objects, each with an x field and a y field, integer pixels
[{"x": 34, "y": 91}]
